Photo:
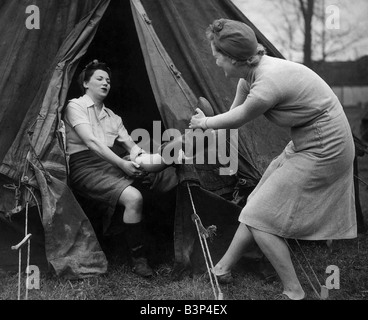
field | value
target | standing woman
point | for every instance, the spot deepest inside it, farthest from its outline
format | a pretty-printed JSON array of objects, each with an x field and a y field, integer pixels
[
  {"x": 307, "y": 192},
  {"x": 96, "y": 172}
]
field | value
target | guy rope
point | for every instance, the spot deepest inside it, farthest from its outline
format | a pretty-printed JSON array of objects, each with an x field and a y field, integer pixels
[
  {"x": 27, "y": 236},
  {"x": 203, "y": 234},
  {"x": 20, "y": 206}
]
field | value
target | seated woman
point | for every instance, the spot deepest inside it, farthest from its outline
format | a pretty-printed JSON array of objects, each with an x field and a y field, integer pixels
[{"x": 96, "y": 172}]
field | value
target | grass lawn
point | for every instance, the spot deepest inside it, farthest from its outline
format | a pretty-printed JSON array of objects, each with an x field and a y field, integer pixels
[{"x": 350, "y": 256}]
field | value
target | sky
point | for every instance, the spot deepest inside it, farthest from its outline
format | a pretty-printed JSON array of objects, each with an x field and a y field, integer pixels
[{"x": 353, "y": 14}]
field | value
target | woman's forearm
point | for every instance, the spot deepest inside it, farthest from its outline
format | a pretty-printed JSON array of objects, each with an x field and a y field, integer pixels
[
  {"x": 238, "y": 116},
  {"x": 231, "y": 119},
  {"x": 104, "y": 152}
]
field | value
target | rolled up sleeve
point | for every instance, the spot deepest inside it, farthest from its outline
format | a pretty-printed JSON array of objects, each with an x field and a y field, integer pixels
[{"x": 75, "y": 115}]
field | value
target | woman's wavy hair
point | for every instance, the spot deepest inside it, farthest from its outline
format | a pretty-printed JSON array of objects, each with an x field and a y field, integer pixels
[
  {"x": 254, "y": 60},
  {"x": 89, "y": 70}
]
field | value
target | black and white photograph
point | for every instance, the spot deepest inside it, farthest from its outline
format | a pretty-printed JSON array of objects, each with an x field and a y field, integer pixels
[{"x": 184, "y": 157}]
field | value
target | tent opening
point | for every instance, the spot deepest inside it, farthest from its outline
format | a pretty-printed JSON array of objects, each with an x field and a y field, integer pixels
[
  {"x": 131, "y": 97},
  {"x": 116, "y": 43}
]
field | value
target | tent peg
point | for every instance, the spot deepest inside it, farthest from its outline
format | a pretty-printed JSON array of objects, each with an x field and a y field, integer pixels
[{"x": 324, "y": 292}]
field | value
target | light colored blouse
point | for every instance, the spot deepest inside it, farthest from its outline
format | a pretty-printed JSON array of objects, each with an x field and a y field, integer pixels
[{"x": 106, "y": 126}]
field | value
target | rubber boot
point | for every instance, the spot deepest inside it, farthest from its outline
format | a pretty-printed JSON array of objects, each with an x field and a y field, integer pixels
[
  {"x": 205, "y": 106},
  {"x": 170, "y": 151}
]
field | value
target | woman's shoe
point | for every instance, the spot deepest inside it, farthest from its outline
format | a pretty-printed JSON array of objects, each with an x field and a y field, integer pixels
[
  {"x": 283, "y": 296},
  {"x": 225, "y": 278}
]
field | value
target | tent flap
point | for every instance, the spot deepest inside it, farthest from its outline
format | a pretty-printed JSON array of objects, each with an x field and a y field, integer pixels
[
  {"x": 27, "y": 66},
  {"x": 71, "y": 246},
  {"x": 70, "y": 243},
  {"x": 175, "y": 100}
]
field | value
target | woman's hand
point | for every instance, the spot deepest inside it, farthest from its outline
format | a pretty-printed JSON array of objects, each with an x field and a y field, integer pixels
[
  {"x": 198, "y": 121},
  {"x": 132, "y": 169},
  {"x": 135, "y": 151}
]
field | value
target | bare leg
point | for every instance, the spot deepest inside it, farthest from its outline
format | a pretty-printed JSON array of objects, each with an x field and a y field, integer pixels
[
  {"x": 241, "y": 240},
  {"x": 278, "y": 254},
  {"x": 132, "y": 201}
]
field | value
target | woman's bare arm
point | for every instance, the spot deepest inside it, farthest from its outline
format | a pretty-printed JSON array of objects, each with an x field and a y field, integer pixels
[{"x": 84, "y": 131}]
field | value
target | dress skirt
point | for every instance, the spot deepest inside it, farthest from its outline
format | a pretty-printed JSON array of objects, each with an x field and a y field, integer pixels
[
  {"x": 307, "y": 192},
  {"x": 96, "y": 179}
]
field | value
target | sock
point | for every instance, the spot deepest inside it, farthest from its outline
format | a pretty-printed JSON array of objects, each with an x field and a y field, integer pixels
[{"x": 135, "y": 236}]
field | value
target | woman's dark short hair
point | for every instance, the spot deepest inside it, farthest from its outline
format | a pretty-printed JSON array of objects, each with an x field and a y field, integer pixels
[{"x": 89, "y": 70}]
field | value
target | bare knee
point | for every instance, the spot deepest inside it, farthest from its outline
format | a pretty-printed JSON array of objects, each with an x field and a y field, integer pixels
[{"x": 131, "y": 199}]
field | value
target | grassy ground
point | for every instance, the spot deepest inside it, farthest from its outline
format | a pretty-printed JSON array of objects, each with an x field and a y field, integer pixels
[{"x": 350, "y": 256}]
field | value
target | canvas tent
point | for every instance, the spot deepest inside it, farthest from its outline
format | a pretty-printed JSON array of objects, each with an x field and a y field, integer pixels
[{"x": 161, "y": 64}]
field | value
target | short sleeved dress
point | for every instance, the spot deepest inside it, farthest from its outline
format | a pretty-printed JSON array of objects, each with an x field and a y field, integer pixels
[{"x": 307, "y": 192}]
